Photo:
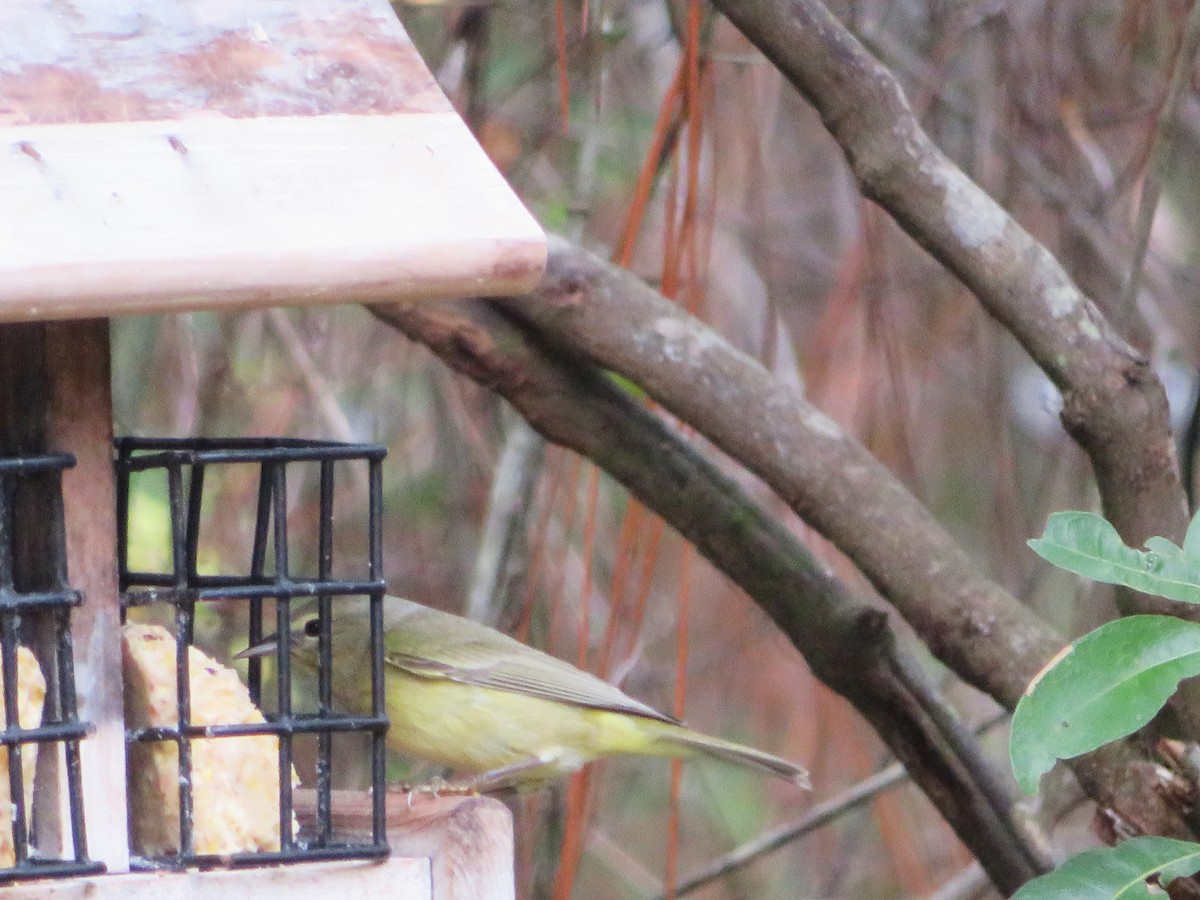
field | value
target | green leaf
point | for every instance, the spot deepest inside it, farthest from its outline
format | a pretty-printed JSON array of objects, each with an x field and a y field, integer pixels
[
  {"x": 632, "y": 388},
  {"x": 1191, "y": 541},
  {"x": 1106, "y": 685},
  {"x": 1088, "y": 545},
  {"x": 1116, "y": 873}
]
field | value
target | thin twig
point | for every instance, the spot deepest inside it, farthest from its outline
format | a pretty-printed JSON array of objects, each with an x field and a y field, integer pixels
[
  {"x": 818, "y": 817},
  {"x": 1024, "y": 829},
  {"x": 514, "y": 484},
  {"x": 621, "y": 864},
  {"x": 315, "y": 380},
  {"x": 569, "y": 843},
  {"x": 1161, "y": 142},
  {"x": 472, "y": 29},
  {"x": 319, "y": 387},
  {"x": 968, "y": 884}
]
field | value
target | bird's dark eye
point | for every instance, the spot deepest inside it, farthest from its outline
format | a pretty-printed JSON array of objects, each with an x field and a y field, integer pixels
[{"x": 312, "y": 628}]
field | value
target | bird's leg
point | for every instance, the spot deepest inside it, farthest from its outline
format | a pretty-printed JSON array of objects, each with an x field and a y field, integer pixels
[
  {"x": 504, "y": 776},
  {"x": 482, "y": 783},
  {"x": 435, "y": 787}
]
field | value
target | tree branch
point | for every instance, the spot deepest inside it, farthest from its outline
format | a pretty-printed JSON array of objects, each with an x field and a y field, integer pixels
[
  {"x": 607, "y": 315},
  {"x": 610, "y": 317},
  {"x": 1114, "y": 404},
  {"x": 844, "y": 639},
  {"x": 1161, "y": 144}
]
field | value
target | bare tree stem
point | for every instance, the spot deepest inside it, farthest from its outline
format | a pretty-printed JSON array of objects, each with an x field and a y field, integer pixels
[
  {"x": 818, "y": 817},
  {"x": 514, "y": 484},
  {"x": 1161, "y": 143}
]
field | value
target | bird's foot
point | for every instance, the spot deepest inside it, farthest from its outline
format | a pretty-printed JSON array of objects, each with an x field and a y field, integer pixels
[{"x": 438, "y": 787}]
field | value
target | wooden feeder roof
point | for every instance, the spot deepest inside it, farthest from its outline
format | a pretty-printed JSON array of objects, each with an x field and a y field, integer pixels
[{"x": 169, "y": 155}]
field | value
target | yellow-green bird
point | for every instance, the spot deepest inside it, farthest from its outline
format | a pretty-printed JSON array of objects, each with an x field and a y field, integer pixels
[{"x": 463, "y": 695}]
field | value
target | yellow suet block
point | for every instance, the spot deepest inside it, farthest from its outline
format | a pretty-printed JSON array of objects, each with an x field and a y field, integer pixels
[
  {"x": 235, "y": 780},
  {"x": 31, "y": 697}
]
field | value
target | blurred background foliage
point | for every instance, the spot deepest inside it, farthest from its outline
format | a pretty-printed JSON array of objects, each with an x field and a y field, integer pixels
[{"x": 1049, "y": 106}]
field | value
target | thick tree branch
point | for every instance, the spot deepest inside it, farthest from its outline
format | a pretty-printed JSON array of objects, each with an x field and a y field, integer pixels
[
  {"x": 1115, "y": 406},
  {"x": 602, "y": 312},
  {"x": 609, "y": 316},
  {"x": 845, "y": 640}
]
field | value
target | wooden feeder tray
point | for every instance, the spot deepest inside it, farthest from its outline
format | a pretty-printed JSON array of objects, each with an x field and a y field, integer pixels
[{"x": 442, "y": 849}]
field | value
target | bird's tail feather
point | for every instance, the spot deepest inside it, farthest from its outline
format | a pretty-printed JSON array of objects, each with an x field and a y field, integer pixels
[{"x": 701, "y": 744}]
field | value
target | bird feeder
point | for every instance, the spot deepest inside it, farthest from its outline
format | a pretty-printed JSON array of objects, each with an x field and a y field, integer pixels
[{"x": 182, "y": 155}]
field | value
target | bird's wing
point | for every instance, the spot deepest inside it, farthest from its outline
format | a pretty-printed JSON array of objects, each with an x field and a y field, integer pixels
[{"x": 428, "y": 646}]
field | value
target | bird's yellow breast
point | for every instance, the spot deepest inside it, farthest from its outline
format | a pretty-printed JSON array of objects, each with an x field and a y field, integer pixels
[{"x": 477, "y": 729}]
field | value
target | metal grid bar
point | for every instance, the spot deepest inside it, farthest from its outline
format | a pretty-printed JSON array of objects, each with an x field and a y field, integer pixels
[
  {"x": 29, "y": 465},
  {"x": 16, "y": 784},
  {"x": 184, "y": 586},
  {"x": 44, "y": 596},
  {"x": 244, "y": 590},
  {"x": 296, "y": 724},
  {"x": 69, "y": 714},
  {"x": 258, "y": 563},
  {"x": 267, "y": 857},
  {"x": 44, "y": 734},
  {"x": 325, "y": 657},
  {"x": 154, "y": 453},
  {"x": 283, "y": 625},
  {"x": 17, "y": 602},
  {"x": 183, "y": 639},
  {"x": 378, "y": 690}
]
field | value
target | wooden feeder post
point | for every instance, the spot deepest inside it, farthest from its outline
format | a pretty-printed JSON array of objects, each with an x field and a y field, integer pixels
[
  {"x": 201, "y": 154},
  {"x": 55, "y": 396}
]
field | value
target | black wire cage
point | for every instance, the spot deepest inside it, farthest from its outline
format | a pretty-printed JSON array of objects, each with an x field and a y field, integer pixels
[
  {"x": 269, "y": 579},
  {"x": 35, "y": 612}
]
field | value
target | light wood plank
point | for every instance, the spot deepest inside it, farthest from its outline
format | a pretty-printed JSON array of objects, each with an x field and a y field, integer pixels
[
  {"x": 236, "y": 153},
  {"x": 397, "y": 878},
  {"x": 450, "y": 848},
  {"x": 214, "y": 213},
  {"x": 468, "y": 840},
  {"x": 469, "y": 844}
]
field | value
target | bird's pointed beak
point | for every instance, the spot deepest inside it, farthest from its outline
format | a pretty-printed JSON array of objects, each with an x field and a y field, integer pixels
[{"x": 266, "y": 647}]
